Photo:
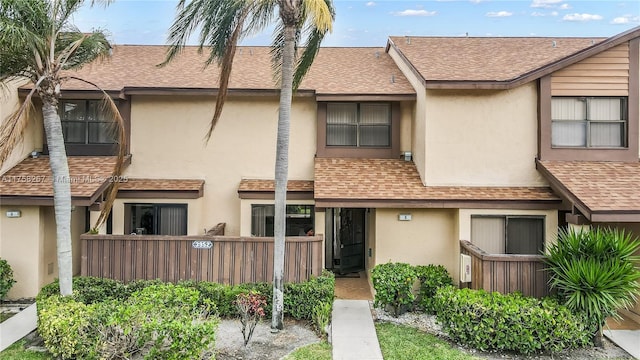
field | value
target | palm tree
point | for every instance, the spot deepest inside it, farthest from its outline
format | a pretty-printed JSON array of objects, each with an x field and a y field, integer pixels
[
  {"x": 38, "y": 43},
  {"x": 222, "y": 23}
]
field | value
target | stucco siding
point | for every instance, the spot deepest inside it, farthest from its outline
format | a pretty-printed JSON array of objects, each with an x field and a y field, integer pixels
[
  {"x": 429, "y": 238},
  {"x": 482, "y": 137},
  {"x": 21, "y": 237},
  {"x": 167, "y": 141}
]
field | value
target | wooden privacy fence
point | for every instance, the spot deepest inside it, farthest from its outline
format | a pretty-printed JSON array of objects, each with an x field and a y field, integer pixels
[
  {"x": 506, "y": 273},
  {"x": 221, "y": 259}
]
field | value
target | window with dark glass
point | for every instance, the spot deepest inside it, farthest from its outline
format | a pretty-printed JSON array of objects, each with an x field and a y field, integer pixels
[
  {"x": 359, "y": 124},
  {"x": 157, "y": 219},
  {"x": 508, "y": 234},
  {"x": 298, "y": 218},
  {"x": 589, "y": 122},
  {"x": 86, "y": 122}
]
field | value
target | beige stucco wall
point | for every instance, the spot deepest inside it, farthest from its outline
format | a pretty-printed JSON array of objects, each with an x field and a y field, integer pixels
[
  {"x": 482, "y": 137},
  {"x": 167, "y": 141},
  {"x": 21, "y": 246},
  {"x": 407, "y": 109},
  {"x": 418, "y": 124},
  {"x": 32, "y": 136},
  {"x": 429, "y": 238}
]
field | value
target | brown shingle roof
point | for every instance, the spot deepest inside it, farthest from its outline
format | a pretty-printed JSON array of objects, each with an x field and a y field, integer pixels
[
  {"x": 335, "y": 71},
  {"x": 33, "y": 178},
  {"x": 484, "y": 58},
  {"x": 161, "y": 184},
  {"x": 601, "y": 186},
  {"x": 390, "y": 179},
  {"x": 259, "y": 185}
]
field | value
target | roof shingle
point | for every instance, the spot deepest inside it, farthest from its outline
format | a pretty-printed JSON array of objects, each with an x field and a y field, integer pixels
[
  {"x": 360, "y": 71},
  {"x": 599, "y": 185},
  {"x": 259, "y": 185},
  {"x": 131, "y": 184},
  {"x": 32, "y": 177},
  {"x": 390, "y": 179},
  {"x": 485, "y": 58}
]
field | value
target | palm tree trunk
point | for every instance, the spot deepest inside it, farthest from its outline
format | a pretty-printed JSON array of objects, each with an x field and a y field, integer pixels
[
  {"x": 61, "y": 192},
  {"x": 281, "y": 175}
]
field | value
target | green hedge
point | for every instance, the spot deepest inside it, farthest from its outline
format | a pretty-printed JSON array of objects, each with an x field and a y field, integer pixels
[
  {"x": 393, "y": 283},
  {"x": 432, "y": 278},
  {"x": 157, "y": 322},
  {"x": 300, "y": 299},
  {"x": 493, "y": 321}
]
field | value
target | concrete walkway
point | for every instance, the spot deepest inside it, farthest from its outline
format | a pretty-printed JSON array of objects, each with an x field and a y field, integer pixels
[
  {"x": 629, "y": 340},
  {"x": 18, "y": 326},
  {"x": 353, "y": 335}
]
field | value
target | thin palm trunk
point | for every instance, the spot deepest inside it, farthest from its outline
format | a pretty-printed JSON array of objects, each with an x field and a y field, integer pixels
[
  {"x": 61, "y": 191},
  {"x": 281, "y": 176}
]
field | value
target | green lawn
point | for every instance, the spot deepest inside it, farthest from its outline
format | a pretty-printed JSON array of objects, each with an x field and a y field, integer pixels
[
  {"x": 319, "y": 351},
  {"x": 400, "y": 342},
  {"x": 18, "y": 352}
]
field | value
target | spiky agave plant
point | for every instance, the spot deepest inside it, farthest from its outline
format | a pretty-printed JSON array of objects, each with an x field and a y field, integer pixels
[{"x": 595, "y": 272}]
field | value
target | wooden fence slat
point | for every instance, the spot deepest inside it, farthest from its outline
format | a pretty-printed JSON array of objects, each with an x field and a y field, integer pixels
[
  {"x": 230, "y": 260},
  {"x": 506, "y": 273}
]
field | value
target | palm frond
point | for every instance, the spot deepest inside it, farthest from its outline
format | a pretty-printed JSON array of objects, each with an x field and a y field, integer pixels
[
  {"x": 112, "y": 191},
  {"x": 320, "y": 13},
  {"x": 225, "y": 74},
  {"x": 12, "y": 129},
  {"x": 77, "y": 49}
]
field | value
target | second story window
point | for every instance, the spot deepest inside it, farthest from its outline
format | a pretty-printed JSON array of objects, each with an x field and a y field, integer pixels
[
  {"x": 359, "y": 124},
  {"x": 589, "y": 122},
  {"x": 86, "y": 122}
]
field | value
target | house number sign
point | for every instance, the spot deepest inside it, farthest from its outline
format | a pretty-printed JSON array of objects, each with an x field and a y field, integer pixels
[{"x": 202, "y": 244}]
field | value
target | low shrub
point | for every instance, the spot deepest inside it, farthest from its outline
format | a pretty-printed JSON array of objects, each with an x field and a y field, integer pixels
[
  {"x": 89, "y": 289},
  {"x": 493, "y": 321},
  {"x": 6, "y": 278},
  {"x": 431, "y": 277},
  {"x": 393, "y": 283},
  {"x": 250, "y": 308},
  {"x": 301, "y": 299},
  {"x": 158, "y": 322},
  {"x": 63, "y": 324}
]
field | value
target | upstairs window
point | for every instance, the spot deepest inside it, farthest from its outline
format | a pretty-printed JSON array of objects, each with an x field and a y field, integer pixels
[
  {"x": 589, "y": 122},
  {"x": 522, "y": 235},
  {"x": 359, "y": 124},
  {"x": 86, "y": 122}
]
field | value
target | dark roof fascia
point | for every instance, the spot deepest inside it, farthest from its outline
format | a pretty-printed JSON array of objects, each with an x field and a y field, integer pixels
[
  {"x": 440, "y": 204},
  {"x": 366, "y": 97},
  {"x": 130, "y": 90},
  {"x": 75, "y": 94}
]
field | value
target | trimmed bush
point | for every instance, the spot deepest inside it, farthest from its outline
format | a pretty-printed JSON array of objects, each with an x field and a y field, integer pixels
[
  {"x": 492, "y": 321},
  {"x": 431, "y": 277},
  {"x": 6, "y": 278},
  {"x": 302, "y": 299},
  {"x": 158, "y": 322},
  {"x": 393, "y": 283},
  {"x": 63, "y": 324}
]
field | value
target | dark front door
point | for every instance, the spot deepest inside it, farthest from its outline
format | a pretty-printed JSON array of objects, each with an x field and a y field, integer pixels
[{"x": 351, "y": 237}]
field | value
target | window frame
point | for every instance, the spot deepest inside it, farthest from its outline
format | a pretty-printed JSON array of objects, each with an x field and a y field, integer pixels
[
  {"x": 311, "y": 217},
  {"x": 505, "y": 241},
  {"x": 388, "y": 152},
  {"x": 128, "y": 218},
  {"x": 624, "y": 114},
  {"x": 90, "y": 105},
  {"x": 359, "y": 125}
]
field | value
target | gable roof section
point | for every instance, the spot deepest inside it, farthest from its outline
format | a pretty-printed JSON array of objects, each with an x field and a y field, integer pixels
[
  {"x": 345, "y": 182},
  {"x": 336, "y": 71},
  {"x": 494, "y": 63},
  {"x": 603, "y": 191},
  {"x": 265, "y": 189},
  {"x": 30, "y": 182}
]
